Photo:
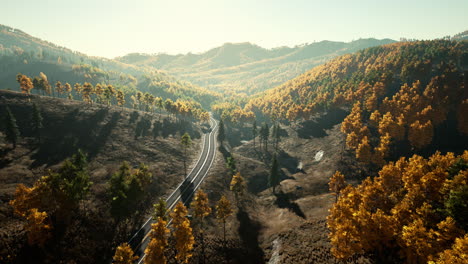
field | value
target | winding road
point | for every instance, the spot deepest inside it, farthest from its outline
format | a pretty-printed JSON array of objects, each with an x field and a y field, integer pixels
[{"x": 184, "y": 190}]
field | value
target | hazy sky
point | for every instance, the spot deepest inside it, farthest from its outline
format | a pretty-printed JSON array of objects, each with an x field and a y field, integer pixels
[{"x": 112, "y": 28}]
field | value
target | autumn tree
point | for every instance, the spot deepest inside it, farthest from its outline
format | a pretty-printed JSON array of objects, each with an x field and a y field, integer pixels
[
  {"x": 186, "y": 141},
  {"x": 59, "y": 88},
  {"x": 182, "y": 233},
  {"x": 37, "y": 227},
  {"x": 44, "y": 82},
  {"x": 120, "y": 98},
  {"x": 420, "y": 134},
  {"x": 124, "y": 254},
  {"x": 273, "y": 179},
  {"x": 25, "y": 83},
  {"x": 364, "y": 151},
  {"x": 68, "y": 89},
  {"x": 201, "y": 206},
  {"x": 86, "y": 92},
  {"x": 237, "y": 185},
  {"x": 337, "y": 183},
  {"x": 36, "y": 122},
  {"x": 158, "y": 243},
  {"x": 402, "y": 211},
  {"x": 11, "y": 128},
  {"x": 223, "y": 211}
]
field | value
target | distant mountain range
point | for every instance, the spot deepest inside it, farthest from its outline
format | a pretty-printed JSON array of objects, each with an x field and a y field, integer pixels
[{"x": 246, "y": 67}]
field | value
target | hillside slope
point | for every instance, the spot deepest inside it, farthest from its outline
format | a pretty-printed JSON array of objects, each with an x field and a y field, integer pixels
[
  {"x": 23, "y": 53},
  {"x": 248, "y": 68},
  {"x": 108, "y": 136}
]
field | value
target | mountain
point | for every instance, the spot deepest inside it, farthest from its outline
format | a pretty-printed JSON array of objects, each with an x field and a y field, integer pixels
[
  {"x": 245, "y": 67},
  {"x": 23, "y": 53}
]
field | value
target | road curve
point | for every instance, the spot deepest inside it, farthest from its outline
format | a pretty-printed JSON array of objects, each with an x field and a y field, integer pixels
[{"x": 184, "y": 190}]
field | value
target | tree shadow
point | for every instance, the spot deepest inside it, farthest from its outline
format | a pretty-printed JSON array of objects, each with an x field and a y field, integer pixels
[
  {"x": 187, "y": 188},
  {"x": 249, "y": 231},
  {"x": 316, "y": 128},
  {"x": 284, "y": 201}
]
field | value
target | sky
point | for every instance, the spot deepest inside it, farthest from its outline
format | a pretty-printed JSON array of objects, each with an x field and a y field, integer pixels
[{"x": 111, "y": 28}]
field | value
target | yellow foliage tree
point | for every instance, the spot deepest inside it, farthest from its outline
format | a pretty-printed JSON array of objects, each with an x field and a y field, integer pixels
[
  {"x": 201, "y": 206},
  {"x": 158, "y": 244},
  {"x": 456, "y": 254},
  {"x": 37, "y": 227},
  {"x": 223, "y": 211},
  {"x": 124, "y": 254},
  {"x": 394, "y": 212},
  {"x": 420, "y": 134},
  {"x": 182, "y": 233},
  {"x": 237, "y": 185},
  {"x": 363, "y": 151},
  {"x": 337, "y": 183}
]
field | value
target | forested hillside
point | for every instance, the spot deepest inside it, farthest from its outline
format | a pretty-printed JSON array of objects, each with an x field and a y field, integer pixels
[
  {"x": 22, "y": 53},
  {"x": 237, "y": 68}
]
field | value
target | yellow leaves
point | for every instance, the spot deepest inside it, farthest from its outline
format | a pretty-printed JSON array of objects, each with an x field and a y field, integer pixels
[
  {"x": 420, "y": 134},
  {"x": 398, "y": 210},
  {"x": 456, "y": 254},
  {"x": 182, "y": 233},
  {"x": 37, "y": 227},
  {"x": 158, "y": 244},
  {"x": 223, "y": 209},
  {"x": 200, "y": 205},
  {"x": 124, "y": 254},
  {"x": 363, "y": 151},
  {"x": 337, "y": 183},
  {"x": 237, "y": 184}
]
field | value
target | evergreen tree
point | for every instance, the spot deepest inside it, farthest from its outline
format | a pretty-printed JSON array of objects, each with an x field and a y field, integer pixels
[
  {"x": 158, "y": 244},
  {"x": 36, "y": 122},
  {"x": 237, "y": 185},
  {"x": 11, "y": 128},
  {"x": 231, "y": 164},
  {"x": 160, "y": 210},
  {"x": 273, "y": 180},
  {"x": 182, "y": 233},
  {"x": 254, "y": 131},
  {"x": 186, "y": 141},
  {"x": 124, "y": 255},
  {"x": 221, "y": 132}
]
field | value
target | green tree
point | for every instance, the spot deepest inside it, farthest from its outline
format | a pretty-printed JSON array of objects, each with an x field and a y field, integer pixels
[
  {"x": 119, "y": 189},
  {"x": 254, "y": 131},
  {"x": 273, "y": 180},
  {"x": 221, "y": 132},
  {"x": 231, "y": 165},
  {"x": 265, "y": 134},
  {"x": 160, "y": 210},
  {"x": 186, "y": 141},
  {"x": 11, "y": 128},
  {"x": 36, "y": 122}
]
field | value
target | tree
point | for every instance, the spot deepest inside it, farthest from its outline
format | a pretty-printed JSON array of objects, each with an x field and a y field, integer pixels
[
  {"x": 45, "y": 83},
  {"x": 402, "y": 211},
  {"x": 186, "y": 141},
  {"x": 276, "y": 136},
  {"x": 223, "y": 211},
  {"x": 182, "y": 233},
  {"x": 201, "y": 209},
  {"x": 37, "y": 227},
  {"x": 456, "y": 254},
  {"x": 59, "y": 88},
  {"x": 124, "y": 254},
  {"x": 265, "y": 134},
  {"x": 160, "y": 210},
  {"x": 221, "y": 132},
  {"x": 158, "y": 244},
  {"x": 337, "y": 183},
  {"x": 11, "y": 128},
  {"x": 254, "y": 131},
  {"x": 25, "y": 83},
  {"x": 237, "y": 185},
  {"x": 231, "y": 164},
  {"x": 274, "y": 180},
  {"x": 420, "y": 134},
  {"x": 119, "y": 189},
  {"x": 363, "y": 151},
  {"x": 201, "y": 206},
  {"x": 36, "y": 122}
]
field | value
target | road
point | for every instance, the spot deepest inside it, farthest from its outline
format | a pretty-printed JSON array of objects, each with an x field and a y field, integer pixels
[{"x": 184, "y": 190}]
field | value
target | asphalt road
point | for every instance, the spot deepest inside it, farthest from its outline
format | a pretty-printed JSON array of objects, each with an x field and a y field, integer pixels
[{"x": 184, "y": 191}]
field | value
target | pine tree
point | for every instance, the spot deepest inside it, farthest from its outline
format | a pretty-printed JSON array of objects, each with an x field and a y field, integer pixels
[
  {"x": 274, "y": 180},
  {"x": 124, "y": 255},
  {"x": 160, "y": 210},
  {"x": 254, "y": 131},
  {"x": 221, "y": 132},
  {"x": 158, "y": 244},
  {"x": 11, "y": 128},
  {"x": 237, "y": 185},
  {"x": 201, "y": 206},
  {"x": 186, "y": 141},
  {"x": 223, "y": 211},
  {"x": 182, "y": 233},
  {"x": 36, "y": 122}
]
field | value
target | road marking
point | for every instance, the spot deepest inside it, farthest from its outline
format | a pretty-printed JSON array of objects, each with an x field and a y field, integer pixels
[{"x": 191, "y": 181}]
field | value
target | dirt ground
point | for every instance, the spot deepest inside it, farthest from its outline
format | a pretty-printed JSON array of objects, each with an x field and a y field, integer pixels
[
  {"x": 107, "y": 135},
  {"x": 290, "y": 225}
]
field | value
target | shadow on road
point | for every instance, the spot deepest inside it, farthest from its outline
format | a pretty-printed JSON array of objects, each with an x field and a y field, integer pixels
[{"x": 187, "y": 189}]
